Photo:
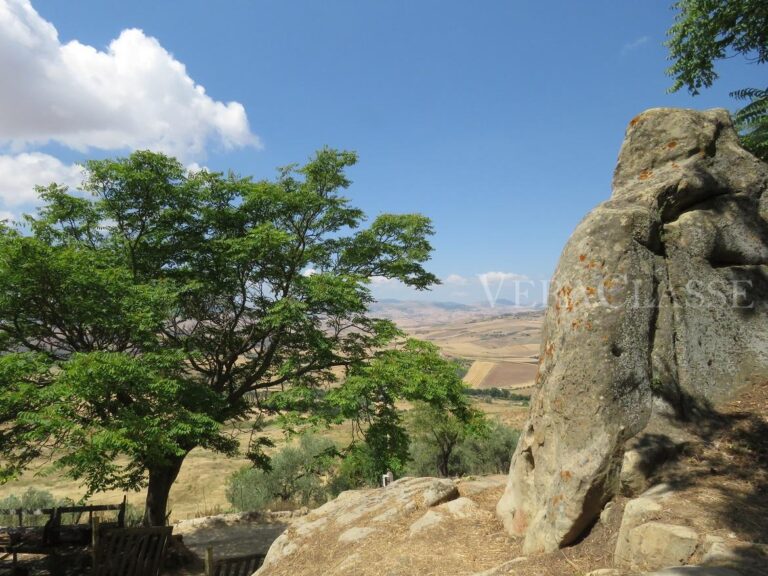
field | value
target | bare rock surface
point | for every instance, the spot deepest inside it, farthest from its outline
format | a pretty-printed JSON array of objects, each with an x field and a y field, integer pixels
[
  {"x": 393, "y": 530},
  {"x": 660, "y": 299},
  {"x": 660, "y": 545},
  {"x": 647, "y": 508}
]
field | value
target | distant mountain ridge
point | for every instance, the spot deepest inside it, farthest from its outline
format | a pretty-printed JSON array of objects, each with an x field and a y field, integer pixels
[{"x": 418, "y": 312}]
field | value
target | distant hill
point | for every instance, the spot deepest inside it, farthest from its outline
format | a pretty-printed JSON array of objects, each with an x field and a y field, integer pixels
[{"x": 418, "y": 313}]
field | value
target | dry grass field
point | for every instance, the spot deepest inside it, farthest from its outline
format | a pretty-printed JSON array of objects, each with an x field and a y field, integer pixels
[
  {"x": 506, "y": 338},
  {"x": 504, "y": 353}
]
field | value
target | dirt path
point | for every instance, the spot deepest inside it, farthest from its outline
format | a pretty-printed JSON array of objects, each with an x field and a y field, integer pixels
[{"x": 234, "y": 540}]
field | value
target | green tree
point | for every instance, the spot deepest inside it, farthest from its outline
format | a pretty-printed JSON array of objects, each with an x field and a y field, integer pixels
[
  {"x": 371, "y": 395},
  {"x": 442, "y": 447},
  {"x": 442, "y": 433},
  {"x": 705, "y": 31},
  {"x": 297, "y": 474},
  {"x": 138, "y": 319}
]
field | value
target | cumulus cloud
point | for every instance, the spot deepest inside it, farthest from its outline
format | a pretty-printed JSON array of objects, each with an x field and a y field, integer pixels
[
  {"x": 455, "y": 280},
  {"x": 132, "y": 95},
  {"x": 20, "y": 173}
]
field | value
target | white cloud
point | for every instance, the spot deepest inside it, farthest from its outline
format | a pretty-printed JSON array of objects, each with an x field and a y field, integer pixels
[
  {"x": 382, "y": 281},
  {"x": 194, "y": 168},
  {"x": 634, "y": 45},
  {"x": 133, "y": 95},
  {"x": 5, "y": 215},
  {"x": 455, "y": 280},
  {"x": 21, "y": 172}
]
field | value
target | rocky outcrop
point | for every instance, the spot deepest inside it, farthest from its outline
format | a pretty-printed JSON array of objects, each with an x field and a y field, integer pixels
[
  {"x": 392, "y": 530},
  {"x": 660, "y": 298}
]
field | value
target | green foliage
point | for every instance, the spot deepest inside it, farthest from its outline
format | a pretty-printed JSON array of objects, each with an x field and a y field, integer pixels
[
  {"x": 487, "y": 452},
  {"x": 369, "y": 397},
  {"x": 442, "y": 433},
  {"x": 136, "y": 320},
  {"x": 752, "y": 121},
  {"x": 359, "y": 467},
  {"x": 705, "y": 31},
  {"x": 298, "y": 476},
  {"x": 498, "y": 393},
  {"x": 490, "y": 453},
  {"x": 462, "y": 366},
  {"x": 102, "y": 405}
]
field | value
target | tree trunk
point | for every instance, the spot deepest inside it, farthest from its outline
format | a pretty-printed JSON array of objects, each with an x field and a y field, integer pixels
[
  {"x": 442, "y": 463},
  {"x": 160, "y": 481}
]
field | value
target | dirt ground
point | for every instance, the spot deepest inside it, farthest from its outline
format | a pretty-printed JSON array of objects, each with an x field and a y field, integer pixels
[{"x": 229, "y": 535}]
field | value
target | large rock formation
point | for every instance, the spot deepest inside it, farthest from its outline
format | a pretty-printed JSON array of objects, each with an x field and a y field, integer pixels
[
  {"x": 413, "y": 526},
  {"x": 661, "y": 293}
]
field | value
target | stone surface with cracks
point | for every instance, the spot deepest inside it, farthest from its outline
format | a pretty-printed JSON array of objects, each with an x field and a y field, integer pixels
[{"x": 661, "y": 293}]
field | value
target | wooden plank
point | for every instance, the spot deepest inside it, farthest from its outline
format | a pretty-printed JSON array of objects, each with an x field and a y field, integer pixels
[
  {"x": 21, "y": 512},
  {"x": 131, "y": 551},
  {"x": 238, "y": 566},
  {"x": 94, "y": 539},
  {"x": 209, "y": 564}
]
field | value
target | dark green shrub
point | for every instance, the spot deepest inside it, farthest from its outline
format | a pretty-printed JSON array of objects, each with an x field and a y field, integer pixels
[
  {"x": 358, "y": 468},
  {"x": 486, "y": 452},
  {"x": 497, "y": 393},
  {"x": 297, "y": 476}
]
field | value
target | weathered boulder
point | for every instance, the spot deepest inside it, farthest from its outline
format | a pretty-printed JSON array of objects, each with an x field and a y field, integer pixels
[
  {"x": 662, "y": 291},
  {"x": 658, "y": 545},
  {"x": 386, "y": 531},
  {"x": 637, "y": 512},
  {"x": 347, "y": 516}
]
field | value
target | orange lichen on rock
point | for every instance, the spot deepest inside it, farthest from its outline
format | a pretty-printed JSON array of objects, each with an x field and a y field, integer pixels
[
  {"x": 519, "y": 522},
  {"x": 645, "y": 174},
  {"x": 671, "y": 145},
  {"x": 582, "y": 257},
  {"x": 634, "y": 121},
  {"x": 566, "y": 475}
]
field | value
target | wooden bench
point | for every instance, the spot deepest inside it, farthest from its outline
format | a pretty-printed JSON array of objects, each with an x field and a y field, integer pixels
[
  {"x": 129, "y": 551},
  {"x": 236, "y": 566}
]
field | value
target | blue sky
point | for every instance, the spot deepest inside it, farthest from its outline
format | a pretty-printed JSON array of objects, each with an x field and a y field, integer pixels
[{"x": 500, "y": 119}]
